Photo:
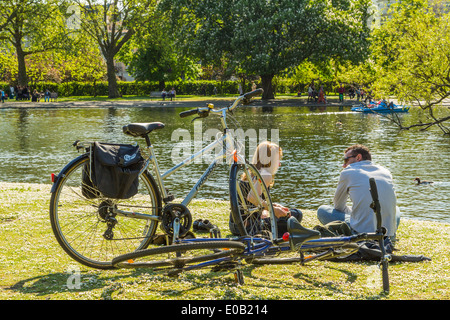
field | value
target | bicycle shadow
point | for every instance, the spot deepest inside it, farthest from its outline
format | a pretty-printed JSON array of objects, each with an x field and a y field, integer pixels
[
  {"x": 309, "y": 282},
  {"x": 61, "y": 282}
]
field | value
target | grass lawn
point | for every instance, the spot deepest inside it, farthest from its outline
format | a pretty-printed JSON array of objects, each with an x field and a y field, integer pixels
[{"x": 34, "y": 267}]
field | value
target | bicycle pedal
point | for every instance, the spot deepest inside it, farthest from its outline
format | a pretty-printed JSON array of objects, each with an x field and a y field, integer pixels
[{"x": 215, "y": 233}]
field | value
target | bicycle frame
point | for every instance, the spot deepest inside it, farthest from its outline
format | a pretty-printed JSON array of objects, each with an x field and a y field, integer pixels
[
  {"x": 204, "y": 177},
  {"x": 225, "y": 140}
]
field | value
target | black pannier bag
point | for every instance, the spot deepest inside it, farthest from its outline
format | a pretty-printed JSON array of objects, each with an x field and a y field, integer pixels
[{"x": 113, "y": 171}]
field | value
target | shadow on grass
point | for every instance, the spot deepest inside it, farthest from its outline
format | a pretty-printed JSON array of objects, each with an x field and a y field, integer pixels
[
  {"x": 109, "y": 283},
  {"x": 66, "y": 282},
  {"x": 308, "y": 282}
]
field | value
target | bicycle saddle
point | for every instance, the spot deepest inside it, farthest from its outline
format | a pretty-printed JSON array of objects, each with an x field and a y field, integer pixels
[
  {"x": 141, "y": 129},
  {"x": 299, "y": 234}
]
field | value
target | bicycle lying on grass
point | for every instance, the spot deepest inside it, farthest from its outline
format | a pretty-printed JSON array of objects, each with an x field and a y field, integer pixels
[{"x": 228, "y": 253}]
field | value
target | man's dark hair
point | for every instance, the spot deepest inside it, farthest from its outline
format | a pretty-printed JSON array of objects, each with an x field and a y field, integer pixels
[{"x": 360, "y": 149}]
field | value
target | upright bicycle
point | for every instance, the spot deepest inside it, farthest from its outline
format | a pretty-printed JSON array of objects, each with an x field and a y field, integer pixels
[{"x": 93, "y": 226}]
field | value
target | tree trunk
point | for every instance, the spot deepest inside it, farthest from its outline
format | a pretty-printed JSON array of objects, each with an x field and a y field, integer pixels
[
  {"x": 22, "y": 78},
  {"x": 266, "y": 83},
  {"x": 113, "y": 92},
  {"x": 162, "y": 85}
]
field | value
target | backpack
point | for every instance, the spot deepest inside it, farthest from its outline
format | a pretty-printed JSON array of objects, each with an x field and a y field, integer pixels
[
  {"x": 113, "y": 171},
  {"x": 369, "y": 250},
  {"x": 334, "y": 229}
]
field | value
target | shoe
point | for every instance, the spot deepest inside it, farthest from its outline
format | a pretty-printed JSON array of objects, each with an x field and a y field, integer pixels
[
  {"x": 195, "y": 224},
  {"x": 202, "y": 225}
]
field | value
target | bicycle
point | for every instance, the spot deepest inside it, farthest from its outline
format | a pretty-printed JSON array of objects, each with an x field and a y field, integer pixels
[
  {"x": 221, "y": 254},
  {"x": 93, "y": 228}
]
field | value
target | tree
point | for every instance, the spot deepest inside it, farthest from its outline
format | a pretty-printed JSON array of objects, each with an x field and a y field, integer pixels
[
  {"x": 6, "y": 15},
  {"x": 112, "y": 23},
  {"x": 266, "y": 37},
  {"x": 152, "y": 56},
  {"x": 25, "y": 24},
  {"x": 411, "y": 50}
]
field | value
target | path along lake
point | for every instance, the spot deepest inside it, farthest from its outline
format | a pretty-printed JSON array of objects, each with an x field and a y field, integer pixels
[{"x": 35, "y": 142}]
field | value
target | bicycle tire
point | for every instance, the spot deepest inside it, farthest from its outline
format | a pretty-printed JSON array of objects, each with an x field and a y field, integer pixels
[
  {"x": 324, "y": 253},
  {"x": 245, "y": 215},
  {"x": 79, "y": 223},
  {"x": 221, "y": 249},
  {"x": 269, "y": 260}
]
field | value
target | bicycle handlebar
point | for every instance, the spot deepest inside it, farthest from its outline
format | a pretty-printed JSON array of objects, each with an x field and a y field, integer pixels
[
  {"x": 373, "y": 189},
  {"x": 376, "y": 203},
  {"x": 204, "y": 111},
  {"x": 253, "y": 93},
  {"x": 188, "y": 113}
]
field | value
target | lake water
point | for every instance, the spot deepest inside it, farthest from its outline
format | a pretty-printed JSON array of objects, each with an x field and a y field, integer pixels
[{"x": 36, "y": 142}]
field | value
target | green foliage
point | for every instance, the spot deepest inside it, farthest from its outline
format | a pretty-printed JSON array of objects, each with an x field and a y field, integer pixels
[
  {"x": 111, "y": 26},
  {"x": 411, "y": 51},
  {"x": 32, "y": 27},
  {"x": 412, "y": 57},
  {"x": 267, "y": 37},
  {"x": 151, "y": 54}
]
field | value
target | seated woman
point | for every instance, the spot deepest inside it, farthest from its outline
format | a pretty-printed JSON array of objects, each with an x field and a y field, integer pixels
[{"x": 267, "y": 159}]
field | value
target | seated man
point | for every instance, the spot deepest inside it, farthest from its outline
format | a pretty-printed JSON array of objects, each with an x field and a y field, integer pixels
[{"x": 354, "y": 183}]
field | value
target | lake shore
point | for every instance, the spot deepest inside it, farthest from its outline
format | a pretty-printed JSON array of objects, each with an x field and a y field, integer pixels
[
  {"x": 184, "y": 102},
  {"x": 34, "y": 267}
]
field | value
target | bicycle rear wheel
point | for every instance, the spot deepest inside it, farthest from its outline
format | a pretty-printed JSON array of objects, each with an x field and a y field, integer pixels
[
  {"x": 249, "y": 218},
  {"x": 180, "y": 257},
  {"x": 304, "y": 256},
  {"x": 87, "y": 225}
]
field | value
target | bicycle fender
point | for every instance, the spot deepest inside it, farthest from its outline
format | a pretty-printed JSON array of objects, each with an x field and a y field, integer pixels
[{"x": 61, "y": 174}]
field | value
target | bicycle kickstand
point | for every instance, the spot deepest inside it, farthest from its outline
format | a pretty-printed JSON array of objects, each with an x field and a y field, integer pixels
[{"x": 239, "y": 276}]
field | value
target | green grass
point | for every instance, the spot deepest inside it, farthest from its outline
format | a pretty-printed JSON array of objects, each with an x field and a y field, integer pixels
[{"x": 34, "y": 267}]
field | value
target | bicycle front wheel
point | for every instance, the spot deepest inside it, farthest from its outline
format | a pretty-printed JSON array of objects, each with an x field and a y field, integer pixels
[
  {"x": 89, "y": 227},
  {"x": 250, "y": 218},
  {"x": 176, "y": 258}
]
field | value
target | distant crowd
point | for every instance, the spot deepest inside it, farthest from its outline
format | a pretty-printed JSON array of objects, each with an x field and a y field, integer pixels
[
  {"x": 25, "y": 93},
  {"x": 319, "y": 95}
]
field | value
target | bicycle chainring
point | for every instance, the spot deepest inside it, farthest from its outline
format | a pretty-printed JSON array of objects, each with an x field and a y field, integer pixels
[{"x": 170, "y": 213}]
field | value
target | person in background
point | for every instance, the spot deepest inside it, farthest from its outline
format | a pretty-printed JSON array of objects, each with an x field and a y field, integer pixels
[
  {"x": 322, "y": 97},
  {"x": 172, "y": 94},
  {"x": 47, "y": 95},
  {"x": 341, "y": 92}
]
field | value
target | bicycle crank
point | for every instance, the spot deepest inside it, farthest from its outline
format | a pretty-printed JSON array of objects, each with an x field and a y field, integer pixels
[{"x": 176, "y": 219}]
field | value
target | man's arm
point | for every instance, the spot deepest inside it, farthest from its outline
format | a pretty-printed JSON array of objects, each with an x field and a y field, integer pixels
[{"x": 341, "y": 195}]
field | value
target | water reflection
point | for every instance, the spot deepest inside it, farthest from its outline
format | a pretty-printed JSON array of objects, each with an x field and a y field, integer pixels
[{"x": 36, "y": 142}]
